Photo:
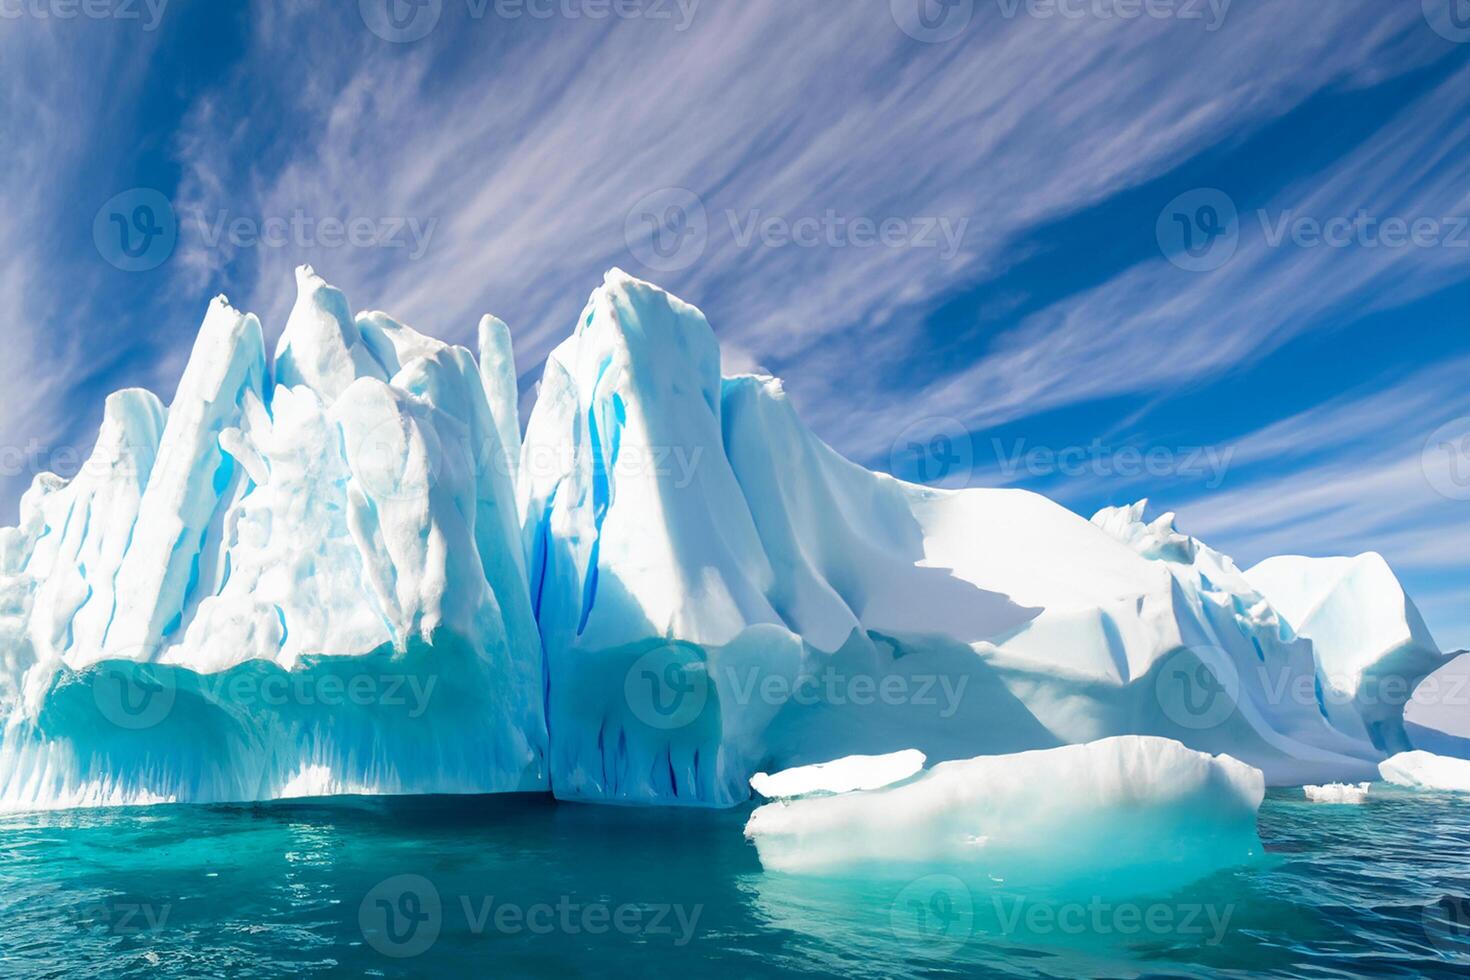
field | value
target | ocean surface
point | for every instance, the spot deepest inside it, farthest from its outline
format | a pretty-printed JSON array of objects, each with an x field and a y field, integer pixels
[{"x": 522, "y": 886}]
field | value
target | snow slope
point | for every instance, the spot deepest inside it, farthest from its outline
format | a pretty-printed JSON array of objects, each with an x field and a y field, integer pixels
[{"x": 289, "y": 582}]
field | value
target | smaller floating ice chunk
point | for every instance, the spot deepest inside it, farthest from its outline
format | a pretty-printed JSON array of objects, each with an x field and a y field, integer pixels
[
  {"x": 1425, "y": 770},
  {"x": 855, "y": 772},
  {"x": 1122, "y": 813},
  {"x": 1337, "y": 793}
]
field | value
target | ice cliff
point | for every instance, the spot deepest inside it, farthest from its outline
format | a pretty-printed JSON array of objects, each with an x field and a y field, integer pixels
[{"x": 342, "y": 569}]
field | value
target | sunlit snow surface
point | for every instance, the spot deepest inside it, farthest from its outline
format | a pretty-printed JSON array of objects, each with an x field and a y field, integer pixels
[
  {"x": 342, "y": 570},
  {"x": 856, "y": 772}
]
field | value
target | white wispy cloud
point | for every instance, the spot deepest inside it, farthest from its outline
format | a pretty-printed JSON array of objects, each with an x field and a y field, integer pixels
[
  {"x": 48, "y": 115},
  {"x": 1157, "y": 326},
  {"x": 529, "y": 155}
]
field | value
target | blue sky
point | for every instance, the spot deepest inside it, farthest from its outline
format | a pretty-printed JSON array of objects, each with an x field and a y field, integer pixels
[{"x": 1211, "y": 253}]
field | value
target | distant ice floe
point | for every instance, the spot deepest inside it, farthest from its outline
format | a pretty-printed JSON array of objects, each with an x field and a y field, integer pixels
[
  {"x": 1337, "y": 793},
  {"x": 1424, "y": 770}
]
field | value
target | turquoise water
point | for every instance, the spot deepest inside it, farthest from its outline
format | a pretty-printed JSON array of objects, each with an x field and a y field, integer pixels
[{"x": 445, "y": 887}]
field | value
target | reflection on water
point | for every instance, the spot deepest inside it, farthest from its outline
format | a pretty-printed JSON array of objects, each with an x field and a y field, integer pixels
[{"x": 522, "y": 885}]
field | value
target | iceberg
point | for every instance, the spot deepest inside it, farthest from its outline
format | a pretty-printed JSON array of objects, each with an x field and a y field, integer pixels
[
  {"x": 840, "y": 776},
  {"x": 1337, "y": 793},
  {"x": 289, "y": 580},
  {"x": 1427, "y": 771},
  {"x": 1114, "y": 813},
  {"x": 343, "y": 568},
  {"x": 720, "y": 593}
]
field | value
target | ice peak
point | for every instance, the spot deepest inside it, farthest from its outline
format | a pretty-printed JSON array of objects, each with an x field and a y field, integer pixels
[
  {"x": 615, "y": 277},
  {"x": 321, "y": 347},
  {"x": 656, "y": 328},
  {"x": 1157, "y": 540}
]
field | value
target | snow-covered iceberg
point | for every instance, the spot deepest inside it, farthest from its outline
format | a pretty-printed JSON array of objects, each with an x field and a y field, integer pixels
[
  {"x": 290, "y": 581},
  {"x": 720, "y": 592},
  {"x": 342, "y": 569},
  {"x": 1117, "y": 813}
]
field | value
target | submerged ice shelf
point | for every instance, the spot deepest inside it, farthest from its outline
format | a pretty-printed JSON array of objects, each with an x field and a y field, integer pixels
[{"x": 342, "y": 569}]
